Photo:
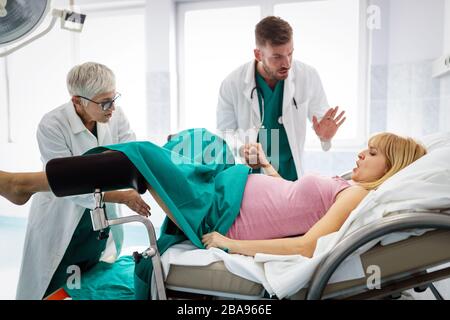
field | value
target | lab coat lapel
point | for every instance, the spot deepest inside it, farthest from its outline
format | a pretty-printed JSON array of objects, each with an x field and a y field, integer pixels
[
  {"x": 76, "y": 125},
  {"x": 290, "y": 119},
  {"x": 250, "y": 84},
  {"x": 289, "y": 91},
  {"x": 104, "y": 134}
]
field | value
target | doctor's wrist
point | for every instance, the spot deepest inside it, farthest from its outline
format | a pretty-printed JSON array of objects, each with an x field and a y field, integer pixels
[
  {"x": 266, "y": 165},
  {"x": 114, "y": 197},
  {"x": 326, "y": 144}
]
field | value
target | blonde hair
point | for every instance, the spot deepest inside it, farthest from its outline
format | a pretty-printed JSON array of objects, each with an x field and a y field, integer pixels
[{"x": 399, "y": 151}]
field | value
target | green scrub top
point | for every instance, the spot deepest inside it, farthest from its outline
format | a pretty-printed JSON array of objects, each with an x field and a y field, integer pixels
[
  {"x": 84, "y": 251},
  {"x": 273, "y": 110},
  {"x": 195, "y": 175}
]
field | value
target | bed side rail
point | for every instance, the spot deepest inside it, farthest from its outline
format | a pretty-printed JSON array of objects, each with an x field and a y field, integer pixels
[{"x": 355, "y": 240}]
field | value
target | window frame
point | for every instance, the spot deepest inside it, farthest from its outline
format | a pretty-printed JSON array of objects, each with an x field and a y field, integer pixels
[
  {"x": 181, "y": 9},
  {"x": 267, "y": 8},
  {"x": 5, "y": 104},
  {"x": 98, "y": 9}
]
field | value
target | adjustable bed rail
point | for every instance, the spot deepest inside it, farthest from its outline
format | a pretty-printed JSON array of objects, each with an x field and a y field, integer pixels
[{"x": 354, "y": 241}]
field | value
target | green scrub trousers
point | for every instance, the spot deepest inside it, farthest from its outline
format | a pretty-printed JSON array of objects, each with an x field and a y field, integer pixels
[{"x": 84, "y": 251}]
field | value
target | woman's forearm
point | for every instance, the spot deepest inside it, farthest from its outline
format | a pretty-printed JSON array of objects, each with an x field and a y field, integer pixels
[
  {"x": 131, "y": 198},
  {"x": 270, "y": 171},
  {"x": 286, "y": 246},
  {"x": 113, "y": 197}
]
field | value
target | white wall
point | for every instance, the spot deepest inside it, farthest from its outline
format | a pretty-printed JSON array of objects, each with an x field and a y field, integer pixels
[
  {"x": 161, "y": 71},
  {"x": 380, "y": 37},
  {"x": 447, "y": 26},
  {"x": 411, "y": 31},
  {"x": 415, "y": 30},
  {"x": 3, "y": 104},
  {"x": 404, "y": 95},
  {"x": 27, "y": 103},
  {"x": 445, "y": 80}
]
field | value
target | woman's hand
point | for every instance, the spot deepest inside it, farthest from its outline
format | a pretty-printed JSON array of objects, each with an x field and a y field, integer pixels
[
  {"x": 216, "y": 240},
  {"x": 133, "y": 200},
  {"x": 254, "y": 155}
]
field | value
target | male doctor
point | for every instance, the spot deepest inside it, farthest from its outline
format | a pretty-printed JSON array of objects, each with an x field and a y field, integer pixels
[
  {"x": 263, "y": 105},
  {"x": 60, "y": 242}
]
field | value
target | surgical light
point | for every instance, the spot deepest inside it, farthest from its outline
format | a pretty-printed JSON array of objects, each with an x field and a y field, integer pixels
[{"x": 19, "y": 18}]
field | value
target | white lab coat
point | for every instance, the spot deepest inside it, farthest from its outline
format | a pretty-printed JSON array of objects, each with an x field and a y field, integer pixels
[
  {"x": 239, "y": 118},
  {"x": 52, "y": 220}
]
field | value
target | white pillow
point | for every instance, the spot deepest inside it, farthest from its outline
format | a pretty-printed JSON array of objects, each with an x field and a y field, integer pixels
[
  {"x": 424, "y": 184},
  {"x": 436, "y": 141},
  {"x": 433, "y": 168}
]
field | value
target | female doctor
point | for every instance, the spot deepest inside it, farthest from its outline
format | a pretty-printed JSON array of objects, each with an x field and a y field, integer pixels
[
  {"x": 59, "y": 238},
  {"x": 269, "y": 99}
]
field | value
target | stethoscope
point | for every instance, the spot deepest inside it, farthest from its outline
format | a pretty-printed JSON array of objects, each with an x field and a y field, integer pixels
[{"x": 259, "y": 90}]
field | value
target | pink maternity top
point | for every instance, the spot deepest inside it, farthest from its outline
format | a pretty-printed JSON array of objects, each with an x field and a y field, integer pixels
[{"x": 277, "y": 208}]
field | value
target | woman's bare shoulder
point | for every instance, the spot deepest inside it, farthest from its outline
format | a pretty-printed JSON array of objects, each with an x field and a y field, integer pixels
[{"x": 353, "y": 192}]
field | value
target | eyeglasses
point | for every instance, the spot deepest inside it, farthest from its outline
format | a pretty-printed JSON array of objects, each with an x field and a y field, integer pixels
[{"x": 106, "y": 104}]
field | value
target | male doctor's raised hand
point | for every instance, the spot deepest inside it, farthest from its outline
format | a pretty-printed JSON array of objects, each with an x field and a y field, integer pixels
[
  {"x": 327, "y": 127},
  {"x": 253, "y": 154}
]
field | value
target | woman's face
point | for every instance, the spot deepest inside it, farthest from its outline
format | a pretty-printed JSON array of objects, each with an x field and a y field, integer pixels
[
  {"x": 95, "y": 111},
  {"x": 370, "y": 166}
]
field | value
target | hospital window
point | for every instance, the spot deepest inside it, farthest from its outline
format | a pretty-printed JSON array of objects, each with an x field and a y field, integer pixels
[
  {"x": 215, "y": 41},
  {"x": 329, "y": 35},
  {"x": 106, "y": 39}
]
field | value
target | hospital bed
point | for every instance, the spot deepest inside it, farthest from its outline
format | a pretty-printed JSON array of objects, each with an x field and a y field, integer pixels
[{"x": 403, "y": 265}]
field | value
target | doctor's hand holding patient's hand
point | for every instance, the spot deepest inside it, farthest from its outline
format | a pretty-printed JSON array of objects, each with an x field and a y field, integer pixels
[
  {"x": 131, "y": 198},
  {"x": 254, "y": 156},
  {"x": 329, "y": 124}
]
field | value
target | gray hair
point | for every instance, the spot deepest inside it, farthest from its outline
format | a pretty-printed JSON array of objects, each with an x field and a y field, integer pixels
[{"x": 90, "y": 79}]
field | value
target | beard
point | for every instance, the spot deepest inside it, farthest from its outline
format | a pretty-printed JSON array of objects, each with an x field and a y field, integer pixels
[{"x": 274, "y": 74}]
